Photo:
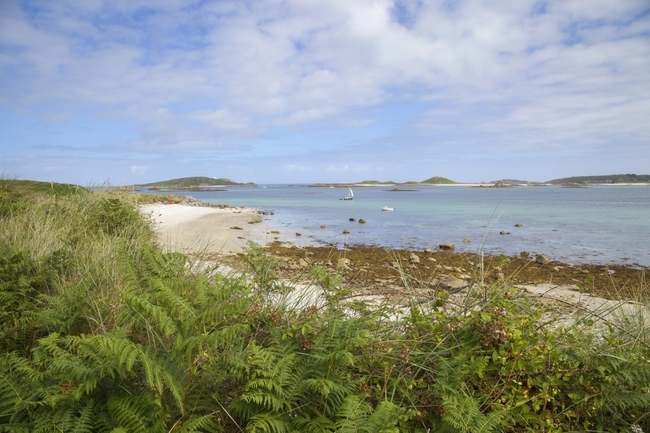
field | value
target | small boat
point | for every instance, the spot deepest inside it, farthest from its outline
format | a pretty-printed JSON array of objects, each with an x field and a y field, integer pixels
[
  {"x": 350, "y": 195},
  {"x": 386, "y": 208}
]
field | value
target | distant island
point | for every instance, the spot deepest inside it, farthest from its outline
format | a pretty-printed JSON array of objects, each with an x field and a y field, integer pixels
[
  {"x": 602, "y": 180},
  {"x": 192, "y": 183},
  {"x": 199, "y": 183}
]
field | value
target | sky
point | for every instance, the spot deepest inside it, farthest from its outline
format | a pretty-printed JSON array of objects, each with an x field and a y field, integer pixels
[{"x": 126, "y": 92}]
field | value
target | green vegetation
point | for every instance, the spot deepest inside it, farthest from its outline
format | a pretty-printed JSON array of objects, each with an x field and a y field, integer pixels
[
  {"x": 376, "y": 182},
  {"x": 192, "y": 182},
  {"x": 101, "y": 331},
  {"x": 439, "y": 180},
  {"x": 608, "y": 179}
]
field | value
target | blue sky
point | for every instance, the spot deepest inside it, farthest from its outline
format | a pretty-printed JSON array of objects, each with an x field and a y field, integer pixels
[{"x": 302, "y": 91}]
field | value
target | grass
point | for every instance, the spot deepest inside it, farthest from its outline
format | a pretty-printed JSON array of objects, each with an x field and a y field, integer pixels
[{"x": 102, "y": 331}]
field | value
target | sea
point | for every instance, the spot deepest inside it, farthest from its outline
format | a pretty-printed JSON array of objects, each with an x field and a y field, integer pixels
[{"x": 607, "y": 224}]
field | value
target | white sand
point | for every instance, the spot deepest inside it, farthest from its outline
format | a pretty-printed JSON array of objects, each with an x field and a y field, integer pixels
[{"x": 205, "y": 229}]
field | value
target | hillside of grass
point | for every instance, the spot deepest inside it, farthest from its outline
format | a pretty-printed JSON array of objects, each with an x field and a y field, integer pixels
[
  {"x": 192, "y": 182},
  {"x": 103, "y": 331},
  {"x": 437, "y": 180},
  {"x": 606, "y": 179}
]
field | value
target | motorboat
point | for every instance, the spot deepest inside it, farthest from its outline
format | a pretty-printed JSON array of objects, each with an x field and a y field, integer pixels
[{"x": 387, "y": 208}]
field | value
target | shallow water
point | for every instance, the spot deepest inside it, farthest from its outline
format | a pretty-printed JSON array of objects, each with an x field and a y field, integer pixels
[{"x": 603, "y": 224}]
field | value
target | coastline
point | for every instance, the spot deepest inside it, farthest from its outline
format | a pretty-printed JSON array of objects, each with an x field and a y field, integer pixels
[{"x": 221, "y": 235}]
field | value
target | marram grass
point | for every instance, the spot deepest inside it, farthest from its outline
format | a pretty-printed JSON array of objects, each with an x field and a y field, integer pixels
[{"x": 100, "y": 331}]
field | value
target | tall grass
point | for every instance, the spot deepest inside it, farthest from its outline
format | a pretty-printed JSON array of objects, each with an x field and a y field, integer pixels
[{"x": 101, "y": 331}]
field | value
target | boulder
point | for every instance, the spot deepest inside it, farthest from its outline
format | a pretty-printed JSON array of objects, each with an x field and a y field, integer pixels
[
  {"x": 519, "y": 225},
  {"x": 449, "y": 246},
  {"x": 449, "y": 282},
  {"x": 428, "y": 250},
  {"x": 362, "y": 221},
  {"x": 466, "y": 241},
  {"x": 541, "y": 258},
  {"x": 346, "y": 232}
]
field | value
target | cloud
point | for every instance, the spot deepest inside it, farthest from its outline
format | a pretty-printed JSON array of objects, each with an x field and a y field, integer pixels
[{"x": 378, "y": 79}]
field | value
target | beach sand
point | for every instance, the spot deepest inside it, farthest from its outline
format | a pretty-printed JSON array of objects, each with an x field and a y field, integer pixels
[{"x": 205, "y": 229}]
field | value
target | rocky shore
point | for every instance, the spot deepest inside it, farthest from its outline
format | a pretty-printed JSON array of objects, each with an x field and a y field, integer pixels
[
  {"x": 376, "y": 269},
  {"x": 220, "y": 234}
]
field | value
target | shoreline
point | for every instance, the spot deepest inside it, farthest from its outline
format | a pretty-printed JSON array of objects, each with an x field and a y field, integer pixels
[{"x": 221, "y": 235}]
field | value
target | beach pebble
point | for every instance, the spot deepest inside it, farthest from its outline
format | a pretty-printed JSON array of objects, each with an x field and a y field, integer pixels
[{"x": 452, "y": 283}]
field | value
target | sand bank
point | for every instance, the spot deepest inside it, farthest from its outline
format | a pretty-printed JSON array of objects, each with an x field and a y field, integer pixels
[{"x": 190, "y": 229}]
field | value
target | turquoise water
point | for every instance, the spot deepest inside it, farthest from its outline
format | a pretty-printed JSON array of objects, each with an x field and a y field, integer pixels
[{"x": 603, "y": 224}]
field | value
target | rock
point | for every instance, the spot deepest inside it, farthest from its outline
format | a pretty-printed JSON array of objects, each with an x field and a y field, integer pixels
[
  {"x": 503, "y": 232},
  {"x": 275, "y": 232},
  {"x": 323, "y": 226},
  {"x": 541, "y": 258},
  {"x": 431, "y": 259},
  {"x": 519, "y": 225},
  {"x": 362, "y": 221},
  {"x": 466, "y": 241},
  {"x": 346, "y": 232},
  {"x": 447, "y": 246},
  {"x": 343, "y": 262},
  {"x": 303, "y": 263},
  {"x": 524, "y": 254},
  {"x": 428, "y": 250},
  {"x": 451, "y": 283},
  {"x": 352, "y": 219},
  {"x": 414, "y": 259},
  {"x": 236, "y": 228},
  {"x": 298, "y": 234}
]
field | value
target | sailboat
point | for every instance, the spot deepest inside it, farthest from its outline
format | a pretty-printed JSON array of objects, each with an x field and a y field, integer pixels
[{"x": 350, "y": 195}]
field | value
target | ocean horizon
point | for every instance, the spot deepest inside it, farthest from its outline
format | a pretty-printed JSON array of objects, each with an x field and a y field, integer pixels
[{"x": 596, "y": 224}]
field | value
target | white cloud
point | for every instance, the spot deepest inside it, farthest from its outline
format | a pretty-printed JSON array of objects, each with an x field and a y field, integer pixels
[{"x": 217, "y": 76}]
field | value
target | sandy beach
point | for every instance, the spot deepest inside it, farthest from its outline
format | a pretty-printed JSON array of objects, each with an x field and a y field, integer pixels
[{"x": 213, "y": 230}]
